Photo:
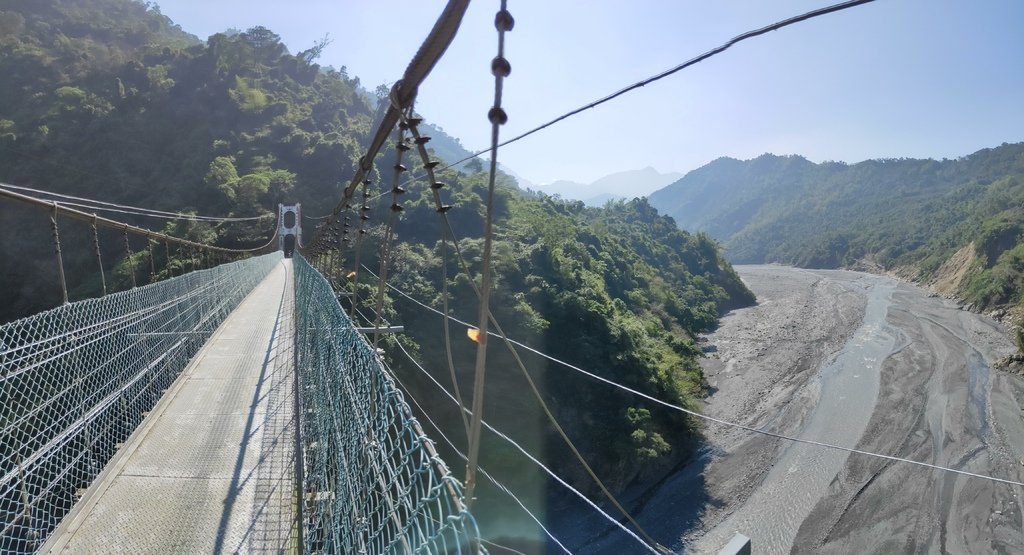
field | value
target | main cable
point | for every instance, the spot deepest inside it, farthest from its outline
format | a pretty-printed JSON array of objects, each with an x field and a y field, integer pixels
[
  {"x": 135, "y": 210},
  {"x": 92, "y": 218}
]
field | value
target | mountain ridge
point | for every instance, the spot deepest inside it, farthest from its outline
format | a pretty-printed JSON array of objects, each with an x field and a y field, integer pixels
[
  {"x": 619, "y": 185},
  {"x": 900, "y": 213}
]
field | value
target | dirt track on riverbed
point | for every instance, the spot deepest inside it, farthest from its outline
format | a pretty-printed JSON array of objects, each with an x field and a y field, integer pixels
[{"x": 934, "y": 400}]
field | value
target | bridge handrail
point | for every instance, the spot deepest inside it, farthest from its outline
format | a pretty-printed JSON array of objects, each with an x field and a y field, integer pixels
[
  {"x": 372, "y": 480},
  {"x": 77, "y": 380}
]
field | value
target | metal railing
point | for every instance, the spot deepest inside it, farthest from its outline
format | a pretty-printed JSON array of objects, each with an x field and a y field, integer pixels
[
  {"x": 372, "y": 481},
  {"x": 77, "y": 380}
]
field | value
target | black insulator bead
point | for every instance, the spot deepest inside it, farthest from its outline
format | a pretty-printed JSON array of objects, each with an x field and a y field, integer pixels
[
  {"x": 423, "y": 139},
  {"x": 413, "y": 122},
  {"x": 500, "y": 67},
  {"x": 497, "y": 116},
  {"x": 365, "y": 208},
  {"x": 400, "y": 168},
  {"x": 347, "y": 224},
  {"x": 436, "y": 185},
  {"x": 444, "y": 208},
  {"x": 368, "y": 181},
  {"x": 503, "y": 21},
  {"x": 403, "y": 125},
  {"x": 396, "y": 207},
  {"x": 364, "y": 217},
  {"x": 403, "y": 147},
  {"x": 431, "y": 165},
  {"x": 398, "y": 190},
  {"x": 362, "y": 232}
]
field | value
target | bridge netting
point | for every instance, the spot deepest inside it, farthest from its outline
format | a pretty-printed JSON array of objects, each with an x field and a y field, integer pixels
[
  {"x": 77, "y": 380},
  {"x": 372, "y": 481}
]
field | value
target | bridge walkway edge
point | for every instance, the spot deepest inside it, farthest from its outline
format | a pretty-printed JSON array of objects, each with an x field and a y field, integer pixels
[{"x": 212, "y": 468}]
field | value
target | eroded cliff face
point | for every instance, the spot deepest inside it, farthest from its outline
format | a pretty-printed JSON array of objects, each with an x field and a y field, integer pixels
[{"x": 952, "y": 276}]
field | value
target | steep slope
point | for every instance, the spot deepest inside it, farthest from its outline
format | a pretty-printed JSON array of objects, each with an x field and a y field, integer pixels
[
  {"x": 906, "y": 213},
  {"x": 109, "y": 99},
  {"x": 236, "y": 124}
]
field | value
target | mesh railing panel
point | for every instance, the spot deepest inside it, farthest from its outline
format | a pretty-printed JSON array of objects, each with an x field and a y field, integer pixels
[
  {"x": 77, "y": 380},
  {"x": 372, "y": 481}
]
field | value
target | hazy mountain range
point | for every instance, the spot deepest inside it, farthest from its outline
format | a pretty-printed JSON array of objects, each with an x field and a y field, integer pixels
[{"x": 625, "y": 184}]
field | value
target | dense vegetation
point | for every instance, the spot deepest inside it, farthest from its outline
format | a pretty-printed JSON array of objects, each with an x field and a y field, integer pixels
[
  {"x": 619, "y": 290},
  {"x": 905, "y": 214},
  {"x": 108, "y": 99}
]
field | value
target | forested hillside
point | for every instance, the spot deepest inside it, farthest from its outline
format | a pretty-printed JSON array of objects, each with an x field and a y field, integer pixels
[
  {"x": 906, "y": 214},
  {"x": 108, "y": 99}
]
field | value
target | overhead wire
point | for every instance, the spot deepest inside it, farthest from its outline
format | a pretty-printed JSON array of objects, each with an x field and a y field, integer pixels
[
  {"x": 537, "y": 462},
  {"x": 135, "y": 230},
  {"x": 692, "y": 61},
  {"x": 500, "y": 67},
  {"x": 135, "y": 210},
  {"x": 502, "y": 487}
]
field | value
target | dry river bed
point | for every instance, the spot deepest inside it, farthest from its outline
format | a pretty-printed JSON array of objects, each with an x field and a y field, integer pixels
[{"x": 862, "y": 361}]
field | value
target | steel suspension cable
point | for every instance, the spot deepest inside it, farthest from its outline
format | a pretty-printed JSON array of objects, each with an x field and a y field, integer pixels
[
  {"x": 501, "y": 487},
  {"x": 114, "y": 224},
  {"x": 442, "y": 211},
  {"x": 99, "y": 255},
  {"x": 541, "y": 465},
  {"x": 396, "y": 209},
  {"x": 364, "y": 216},
  {"x": 405, "y": 89},
  {"x": 60, "y": 258},
  {"x": 125, "y": 209},
  {"x": 500, "y": 67}
]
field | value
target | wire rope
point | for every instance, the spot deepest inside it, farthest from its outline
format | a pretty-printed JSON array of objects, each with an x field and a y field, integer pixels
[{"x": 134, "y": 210}]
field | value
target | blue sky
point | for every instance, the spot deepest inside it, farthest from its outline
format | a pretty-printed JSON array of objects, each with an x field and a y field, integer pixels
[{"x": 914, "y": 78}]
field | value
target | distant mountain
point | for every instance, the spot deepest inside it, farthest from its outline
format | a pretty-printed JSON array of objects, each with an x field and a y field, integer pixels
[
  {"x": 907, "y": 215},
  {"x": 620, "y": 185}
]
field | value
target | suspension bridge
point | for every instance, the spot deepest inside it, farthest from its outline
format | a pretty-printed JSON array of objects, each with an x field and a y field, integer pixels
[{"x": 236, "y": 406}]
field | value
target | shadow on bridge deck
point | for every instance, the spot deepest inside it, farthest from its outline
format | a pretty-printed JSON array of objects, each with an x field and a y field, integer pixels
[{"x": 212, "y": 469}]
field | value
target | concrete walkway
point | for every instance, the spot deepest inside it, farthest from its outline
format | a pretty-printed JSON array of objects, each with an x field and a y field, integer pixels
[{"x": 212, "y": 468}]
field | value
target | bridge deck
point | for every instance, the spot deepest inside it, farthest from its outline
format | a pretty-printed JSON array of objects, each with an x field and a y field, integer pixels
[{"x": 212, "y": 468}]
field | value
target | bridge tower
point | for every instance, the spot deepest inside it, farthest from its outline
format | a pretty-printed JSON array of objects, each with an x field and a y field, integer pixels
[{"x": 290, "y": 234}]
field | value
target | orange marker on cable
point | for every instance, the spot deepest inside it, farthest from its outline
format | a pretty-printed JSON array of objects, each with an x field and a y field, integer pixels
[{"x": 474, "y": 334}]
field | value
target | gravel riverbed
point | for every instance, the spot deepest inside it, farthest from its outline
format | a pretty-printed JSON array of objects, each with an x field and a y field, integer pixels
[
  {"x": 863, "y": 361},
  {"x": 852, "y": 359}
]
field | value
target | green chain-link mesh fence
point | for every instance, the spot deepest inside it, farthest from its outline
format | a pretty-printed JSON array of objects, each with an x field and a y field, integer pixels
[
  {"x": 373, "y": 482},
  {"x": 77, "y": 380}
]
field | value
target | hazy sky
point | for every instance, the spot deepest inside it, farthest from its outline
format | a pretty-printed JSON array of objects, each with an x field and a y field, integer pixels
[{"x": 915, "y": 78}]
